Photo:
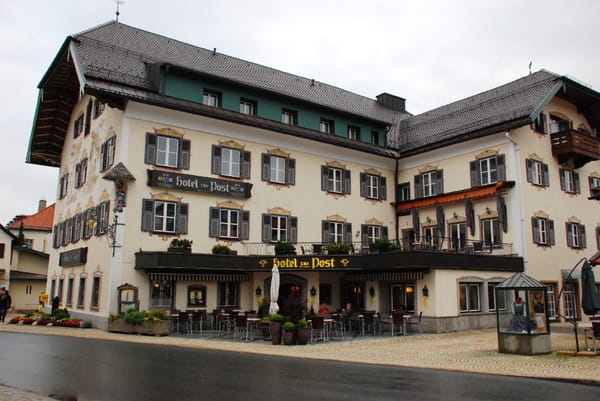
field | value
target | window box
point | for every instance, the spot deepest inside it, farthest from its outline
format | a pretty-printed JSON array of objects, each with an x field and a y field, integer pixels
[{"x": 147, "y": 327}]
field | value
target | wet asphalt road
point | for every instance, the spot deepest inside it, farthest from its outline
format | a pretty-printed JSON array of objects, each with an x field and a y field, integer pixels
[{"x": 82, "y": 369}]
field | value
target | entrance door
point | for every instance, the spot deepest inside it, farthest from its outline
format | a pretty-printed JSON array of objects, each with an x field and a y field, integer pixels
[
  {"x": 355, "y": 295},
  {"x": 403, "y": 297}
]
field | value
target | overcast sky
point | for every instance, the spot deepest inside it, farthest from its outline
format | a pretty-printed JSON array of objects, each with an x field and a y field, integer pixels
[{"x": 429, "y": 52}]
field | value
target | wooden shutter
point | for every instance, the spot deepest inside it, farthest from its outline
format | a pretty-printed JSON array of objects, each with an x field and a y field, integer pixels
[
  {"x": 441, "y": 220},
  {"x": 265, "y": 167},
  {"x": 102, "y": 159},
  {"x": 529, "y": 164},
  {"x": 364, "y": 234},
  {"x": 147, "y": 215},
  {"x": 500, "y": 165},
  {"x": 384, "y": 232},
  {"x": 534, "y": 230},
  {"x": 348, "y": 227},
  {"x": 583, "y": 237},
  {"x": 293, "y": 230},
  {"x": 150, "y": 153},
  {"x": 418, "y": 186},
  {"x": 416, "y": 224},
  {"x": 561, "y": 173},
  {"x": 347, "y": 182},
  {"x": 576, "y": 182},
  {"x": 245, "y": 173},
  {"x": 184, "y": 157},
  {"x": 439, "y": 182},
  {"x": 216, "y": 160},
  {"x": 245, "y": 225},
  {"x": 213, "y": 226},
  {"x": 568, "y": 230},
  {"x": 324, "y": 171},
  {"x": 291, "y": 172},
  {"x": 266, "y": 228},
  {"x": 474, "y": 172},
  {"x": 502, "y": 216},
  {"x": 88, "y": 118},
  {"x": 324, "y": 231},
  {"x": 551, "y": 232},
  {"x": 78, "y": 175},
  {"x": 182, "y": 218},
  {"x": 470, "y": 214},
  {"x": 382, "y": 188},
  {"x": 363, "y": 184},
  {"x": 546, "y": 175}
]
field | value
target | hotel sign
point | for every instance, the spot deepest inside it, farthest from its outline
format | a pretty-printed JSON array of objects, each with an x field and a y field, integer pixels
[
  {"x": 306, "y": 263},
  {"x": 74, "y": 257},
  {"x": 194, "y": 183}
]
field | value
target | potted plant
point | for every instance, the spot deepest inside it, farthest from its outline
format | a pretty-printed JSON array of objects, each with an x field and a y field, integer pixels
[
  {"x": 385, "y": 245},
  {"x": 275, "y": 326},
  {"x": 284, "y": 248},
  {"x": 289, "y": 329},
  {"x": 180, "y": 245},
  {"x": 302, "y": 331},
  {"x": 220, "y": 249},
  {"x": 140, "y": 322},
  {"x": 338, "y": 248}
]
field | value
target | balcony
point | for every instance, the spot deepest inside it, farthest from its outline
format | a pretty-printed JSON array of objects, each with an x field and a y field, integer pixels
[{"x": 574, "y": 145}]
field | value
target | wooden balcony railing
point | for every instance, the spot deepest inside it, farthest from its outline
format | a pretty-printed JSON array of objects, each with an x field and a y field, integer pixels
[{"x": 581, "y": 148}]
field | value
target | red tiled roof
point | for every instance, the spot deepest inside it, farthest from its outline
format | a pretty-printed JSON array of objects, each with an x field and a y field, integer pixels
[{"x": 41, "y": 220}]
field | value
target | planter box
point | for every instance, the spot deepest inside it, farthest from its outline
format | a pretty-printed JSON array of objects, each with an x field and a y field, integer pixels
[{"x": 147, "y": 327}]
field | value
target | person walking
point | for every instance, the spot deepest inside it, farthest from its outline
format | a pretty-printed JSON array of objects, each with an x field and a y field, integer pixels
[{"x": 5, "y": 304}]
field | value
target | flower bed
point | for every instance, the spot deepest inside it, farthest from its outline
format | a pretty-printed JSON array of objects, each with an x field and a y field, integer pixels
[{"x": 60, "y": 318}]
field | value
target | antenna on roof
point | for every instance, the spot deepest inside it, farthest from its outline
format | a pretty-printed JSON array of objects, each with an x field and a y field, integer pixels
[
  {"x": 530, "y": 67},
  {"x": 117, "y": 13}
]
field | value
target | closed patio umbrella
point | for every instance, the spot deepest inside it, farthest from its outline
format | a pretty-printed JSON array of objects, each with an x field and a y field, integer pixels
[
  {"x": 274, "y": 307},
  {"x": 590, "y": 303}
]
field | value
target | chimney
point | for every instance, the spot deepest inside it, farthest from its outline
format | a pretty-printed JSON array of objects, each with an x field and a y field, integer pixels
[
  {"x": 41, "y": 205},
  {"x": 392, "y": 102}
]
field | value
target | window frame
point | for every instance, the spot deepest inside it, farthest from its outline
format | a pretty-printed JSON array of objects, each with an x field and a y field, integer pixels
[
  {"x": 331, "y": 184},
  {"x": 269, "y": 230},
  {"x": 95, "y": 299},
  {"x": 594, "y": 184},
  {"x": 289, "y": 117},
  {"x": 345, "y": 235},
  {"x": 542, "y": 230},
  {"x": 494, "y": 232},
  {"x": 149, "y": 216},
  {"x": 369, "y": 233},
  {"x": 78, "y": 125},
  {"x": 193, "y": 300},
  {"x": 467, "y": 286},
  {"x": 569, "y": 181},
  {"x": 537, "y": 173},
  {"x": 493, "y": 302},
  {"x": 327, "y": 126},
  {"x": 575, "y": 232},
  {"x": 81, "y": 172},
  {"x": 107, "y": 153},
  {"x": 64, "y": 186},
  {"x": 216, "y": 223},
  {"x": 434, "y": 185},
  {"x": 267, "y": 169},
  {"x": 248, "y": 107},
  {"x": 354, "y": 133},
  {"x": 218, "y": 161},
  {"x": 228, "y": 294},
  {"x": 81, "y": 293},
  {"x": 151, "y": 151},
  {"x": 374, "y": 138},
  {"x": 161, "y": 294},
  {"x": 211, "y": 98},
  {"x": 476, "y": 171},
  {"x": 373, "y": 186},
  {"x": 458, "y": 241}
]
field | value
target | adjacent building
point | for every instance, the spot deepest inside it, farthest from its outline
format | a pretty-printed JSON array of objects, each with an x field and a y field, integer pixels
[{"x": 159, "y": 140}]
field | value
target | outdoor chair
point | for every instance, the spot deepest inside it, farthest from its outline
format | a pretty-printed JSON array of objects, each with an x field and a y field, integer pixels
[
  {"x": 198, "y": 318},
  {"x": 317, "y": 329},
  {"x": 398, "y": 323},
  {"x": 417, "y": 323},
  {"x": 241, "y": 327},
  {"x": 340, "y": 325},
  {"x": 593, "y": 335},
  {"x": 223, "y": 324},
  {"x": 184, "y": 322},
  {"x": 369, "y": 323}
]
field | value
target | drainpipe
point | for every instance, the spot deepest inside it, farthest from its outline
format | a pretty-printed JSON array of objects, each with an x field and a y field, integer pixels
[
  {"x": 518, "y": 203},
  {"x": 395, "y": 203}
]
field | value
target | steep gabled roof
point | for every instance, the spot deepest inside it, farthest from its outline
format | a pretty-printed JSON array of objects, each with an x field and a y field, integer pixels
[{"x": 41, "y": 221}]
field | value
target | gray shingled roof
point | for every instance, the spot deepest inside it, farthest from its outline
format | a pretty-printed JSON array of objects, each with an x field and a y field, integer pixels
[
  {"x": 117, "y": 53},
  {"x": 504, "y": 107}
]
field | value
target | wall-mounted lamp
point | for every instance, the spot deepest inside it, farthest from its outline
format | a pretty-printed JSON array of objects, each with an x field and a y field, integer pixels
[
  {"x": 425, "y": 291},
  {"x": 258, "y": 291},
  {"x": 313, "y": 291},
  {"x": 372, "y": 292}
]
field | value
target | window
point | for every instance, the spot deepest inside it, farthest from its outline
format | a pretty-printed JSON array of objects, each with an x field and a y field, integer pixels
[
  {"x": 230, "y": 162},
  {"x": 78, "y": 126},
  {"x": 61, "y": 285},
  {"x": 375, "y": 137},
  {"x": 325, "y": 294},
  {"x": 490, "y": 231},
  {"x": 430, "y": 236},
  {"x": 404, "y": 192},
  {"x": 289, "y": 117},
  {"x": 28, "y": 243},
  {"x": 594, "y": 186},
  {"x": 161, "y": 294},
  {"x": 336, "y": 180},
  {"x": 278, "y": 169},
  {"x": 403, "y": 297},
  {"x": 164, "y": 216},
  {"x": 102, "y": 212},
  {"x": 575, "y": 235},
  {"x": 487, "y": 171},
  {"x": 354, "y": 133},
  {"x": 88, "y": 118},
  {"x": 326, "y": 126},
  {"x": 211, "y": 98},
  {"x": 373, "y": 186},
  {"x": 469, "y": 297},
  {"x": 107, "y": 153},
  {"x": 64, "y": 185},
  {"x": 78, "y": 227},
  {"x": 495, "y": 302},
  {"x": 336, "y": 232},
  {"x": 95, "y": 302},
  {"x": 69, "y": 299},
  {"x": 2, "y": 247},
  {"x": 228, "y": 294},
  {"x": 52, "y": 288},
  {"x": 89, "y": 227},
  {"x": 551, "y": 305},
  {"x": 98, "y": 108},
  {"x": 68, "y": 231},
  {"x": 279, "y": 228},
  {"x": 81, "y": 293},
  {"x": 537, "y": 173},
  {"x": 569, "y": 181},
  {"x": 248, "y": 107},
  {"x": 430, "y": 183},
  {"x": 559, "y": 124},
  {"x": 458, "y": 235},
  {"x": 167, "y": 151},
  {"x": 196, "y": 296},
  {"x": 543, "y": 231},
  {"x": 229, "y": 223},
  {"x": 81, "y": 173},
  {"x": 371, "y": 233}
]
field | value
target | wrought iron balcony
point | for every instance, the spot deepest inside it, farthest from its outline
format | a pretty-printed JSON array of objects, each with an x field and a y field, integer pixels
[{"x": 575, "y": 145}]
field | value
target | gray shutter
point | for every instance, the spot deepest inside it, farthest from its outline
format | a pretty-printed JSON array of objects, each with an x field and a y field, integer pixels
[
  {"x": 569, "y": 236},
  {"x": 576, "y": 182},
  {"x": 418, "y": 187},
  {"x": 147, "y": 214},
  {"x": 363, "y": 184},
  {"x": 561, "y": 173},
  {"x": 441, "y": 221},
  {"x": 291, "y": 172},
  {"x": 500, "y": 165},
  {"x": 546, "y": 175},
  {"x": 474, "y": 172},
  {"x": 245, "y": 225},
  {"x": 182, "y": 219},
  {"x": 529, "y": 164},
  {"x": 551, "y": 232},
  {"x": 213, "y": 225},
  {"x": 184, "y": 160},
  {"x": 265, "y": 167},
  {"x": 384, "y": 232},
  {"x": 347, "y": 181},
  {"x": 382, "y": 188},
  {"x": 102, "y": 153},
  {"x": 536, "y": 234},
  {"x": 293, "y": 230},
  {"x": 416, "y": 224},
  {"x": 470, "y": 214},
  {"x": 324, "y": 171},
  {"x": 364, "y": 235},
  {"x": 77, "y": 175},
  {"x": 502, "y": 217},
  {"x": 150, "y": 154},
  {"x": 348, "y": 227},
  {"x": 245, "y": 173},
  {"x": 324, "y": 231},
  {"x": 583, "y": 237},
  {"x": 216, "y": 160},
  {"x": 266, "y": 228},
  {"x": 439, "y": 182}
]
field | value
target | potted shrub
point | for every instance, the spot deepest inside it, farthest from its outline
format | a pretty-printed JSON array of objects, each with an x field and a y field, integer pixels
[
  {"x": 302, "y": 331},
  {"x": 275, "y": 326},
  {"x": 289, "y": 329},
  {"x": 180, "y": 245},
  {"x": 220, "y": 249},
  {"x": 385, "y": 245},
  {"x": 338, "y": 248},
  {"x": 284, "y": 248},
  {"x": 140, "y": 322}
]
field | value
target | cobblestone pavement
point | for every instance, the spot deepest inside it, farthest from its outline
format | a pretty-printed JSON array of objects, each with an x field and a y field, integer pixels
[{"x": 470, "y": 351}]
